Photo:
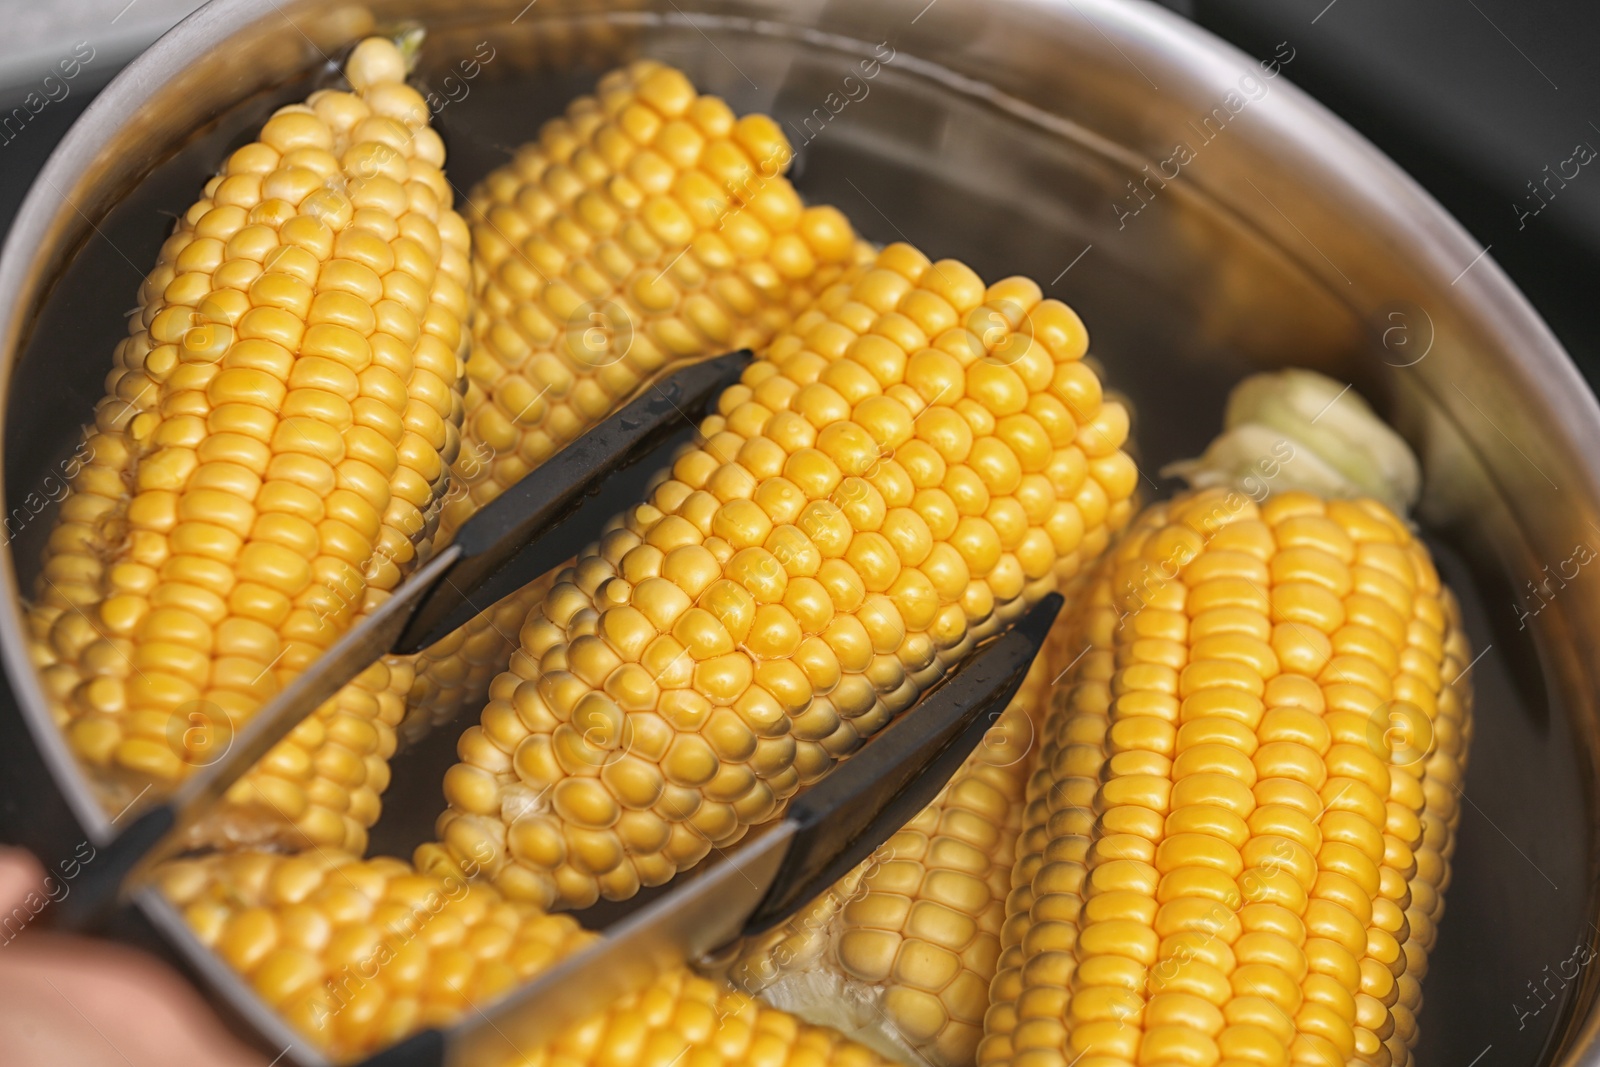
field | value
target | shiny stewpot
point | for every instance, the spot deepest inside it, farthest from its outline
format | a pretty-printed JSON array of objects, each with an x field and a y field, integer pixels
[{"x": 1204, "y": 216}]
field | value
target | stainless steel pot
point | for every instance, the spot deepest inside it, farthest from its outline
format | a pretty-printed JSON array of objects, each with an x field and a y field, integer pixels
[{"x": 1203, "y": 215}]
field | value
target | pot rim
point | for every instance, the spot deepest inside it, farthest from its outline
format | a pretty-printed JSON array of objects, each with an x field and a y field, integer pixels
[{"x": 1307, "y": 133}]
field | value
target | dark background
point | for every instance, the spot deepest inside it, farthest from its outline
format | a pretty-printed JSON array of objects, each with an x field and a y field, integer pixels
[{"x": 1474, "y": 98}]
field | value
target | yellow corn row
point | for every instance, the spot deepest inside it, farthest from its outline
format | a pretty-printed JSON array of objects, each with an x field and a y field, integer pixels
[
  {"x": 686, "y": 1020},
  {"x": 906, "y": 944},
  {"x": 358, "y": 954},
  {"x": 273, "y": 447},
  {"x": 912, "y": 464},
  {"x": 1243, "y": 812},
  {"x": 645, "y": 227}
]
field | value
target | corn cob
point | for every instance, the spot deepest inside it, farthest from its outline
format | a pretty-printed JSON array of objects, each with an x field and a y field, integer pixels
[
  {"x": 847, "y": 530},
  {"x": 357, "y": 954},
  {"x": 693, "y": 1021},
  {"x": 273, "y": 446},
  {"x": 645, "y": 227},
  {"x": 904, "y": 947},
  {"x": 1243, "y": 812}
]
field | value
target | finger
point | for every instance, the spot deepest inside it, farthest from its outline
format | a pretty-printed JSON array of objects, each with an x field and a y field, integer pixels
[{"x": 20, "y": 874}]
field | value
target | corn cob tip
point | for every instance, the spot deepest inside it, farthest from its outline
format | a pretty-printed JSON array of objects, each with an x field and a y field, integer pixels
[
  {"x": 1297, "y": 429},
  {"x": 410, "y": 41}
]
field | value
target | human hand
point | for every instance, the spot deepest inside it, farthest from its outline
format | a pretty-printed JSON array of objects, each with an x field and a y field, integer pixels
[{"x": 74, "y": 1000}]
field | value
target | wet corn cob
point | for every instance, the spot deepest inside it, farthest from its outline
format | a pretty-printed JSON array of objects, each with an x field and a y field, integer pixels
[
  {"x": 273, "y": 447},
  {"x": 904, "y": 947},
  {"x": 688, "y": 1020},
  {"x": 357, "y": 954},
  {"x": 902, "y": 472},
  {"x": 1244, "y": 809},
  {"x": 646, "y": 226}
]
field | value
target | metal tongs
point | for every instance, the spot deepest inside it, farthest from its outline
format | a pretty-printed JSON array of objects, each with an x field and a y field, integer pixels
[
  {"x": 536, "y": 525},
  {"x": 768, "y": 878},
  {"x": 531, "y": 528},
  {"x": 704, "y": 913}
]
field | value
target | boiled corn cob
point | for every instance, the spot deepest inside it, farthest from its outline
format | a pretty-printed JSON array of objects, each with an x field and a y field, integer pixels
[
  {"x": 1244, "y": 809},
  {"x": 357, "y": 954},
  {"x": 683, "y": 1019},
  {"x": 273, "y": 447},
  {"x": 903, "y": 949},
  {"x": 911, "y": 464},
  {"x": 646, "y": 226}
]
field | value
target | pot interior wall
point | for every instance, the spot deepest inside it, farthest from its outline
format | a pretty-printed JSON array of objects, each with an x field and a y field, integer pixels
[{"x": 1181, "y": 299}]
